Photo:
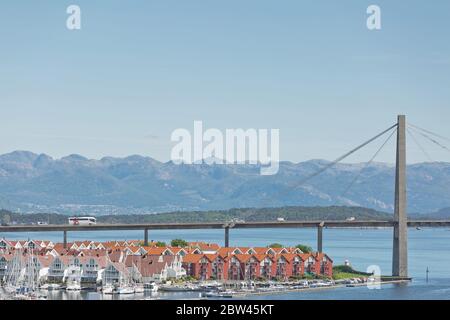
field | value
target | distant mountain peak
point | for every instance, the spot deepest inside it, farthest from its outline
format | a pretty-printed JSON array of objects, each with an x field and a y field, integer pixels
[
  {"x": 42, "y": 160},
  {"x": 74, "y": 157},
  {"x": 19, "y": 156}
]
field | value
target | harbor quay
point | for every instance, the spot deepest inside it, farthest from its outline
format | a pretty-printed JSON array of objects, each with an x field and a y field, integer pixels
[{"x": 129, "y": 267}]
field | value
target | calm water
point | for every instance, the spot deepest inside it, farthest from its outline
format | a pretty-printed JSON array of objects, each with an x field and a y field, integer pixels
[{"x": 428, "y": 247}]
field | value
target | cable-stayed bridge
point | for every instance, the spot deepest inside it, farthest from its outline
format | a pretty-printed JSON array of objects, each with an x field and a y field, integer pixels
[{"x": 399, "y": 223}]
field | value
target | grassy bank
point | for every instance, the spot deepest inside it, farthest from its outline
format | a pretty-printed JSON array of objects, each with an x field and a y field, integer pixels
[{"x": 347, "y": 272}]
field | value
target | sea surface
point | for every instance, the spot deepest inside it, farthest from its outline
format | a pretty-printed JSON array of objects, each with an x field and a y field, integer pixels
[{"x": 427, "y": 248}]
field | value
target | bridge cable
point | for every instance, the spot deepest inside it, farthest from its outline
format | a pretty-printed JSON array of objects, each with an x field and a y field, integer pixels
[
  {"x": 344, "y": 156},
  {"x": 419, "y": 145},
  {"x": 428, "y": 131},
  {"x": 368, "y": 163},
  {"x": 431, "y": 139},
  {"x": 294, "y": 186}
]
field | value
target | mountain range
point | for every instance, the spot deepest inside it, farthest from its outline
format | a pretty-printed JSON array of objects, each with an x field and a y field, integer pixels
[{"x": 32, "y": 182}]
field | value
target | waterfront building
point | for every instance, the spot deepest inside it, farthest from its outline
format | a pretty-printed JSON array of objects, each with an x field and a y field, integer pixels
[
  {"x": 91, "y": 267},
  {"x": 309, "y": 263},
  {"x": 5, "y": 260},
  {"x": 115, "y": 273},
  {"x": 5, "y": 245},
  {"x": 116, "y": 261},
  {"x": 266, "y": 265},
  {"x": 154, "y": 268},
  {"x": 324, "y": 264},
  {"x": 297, "y": 265},
  {"x": 191, "y": 263},
  {"x": 219, "y": 267},
  {"x": 175, "y": 268},
  {"x": 234, "y": 269},
  {"x": 56, "y": 269}
]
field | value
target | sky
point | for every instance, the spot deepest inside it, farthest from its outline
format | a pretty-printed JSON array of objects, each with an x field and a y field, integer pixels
[{"x": 138, "y": 70}]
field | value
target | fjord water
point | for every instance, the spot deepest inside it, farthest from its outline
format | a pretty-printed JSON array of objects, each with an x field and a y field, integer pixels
[{"x": 429, "y": 247}]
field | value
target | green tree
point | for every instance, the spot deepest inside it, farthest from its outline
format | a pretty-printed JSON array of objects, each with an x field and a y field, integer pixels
[
  {"x": 178, "y": 243},
  {"x": 160, "y": 244},
  {"x": 304, "y": 248},
  {"x": 275, "y": 245}
]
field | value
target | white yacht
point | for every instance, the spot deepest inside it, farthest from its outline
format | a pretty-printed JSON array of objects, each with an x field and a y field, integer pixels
[
  {"x": 151, "y": 287},
  {"x": 125, "y": 290}
]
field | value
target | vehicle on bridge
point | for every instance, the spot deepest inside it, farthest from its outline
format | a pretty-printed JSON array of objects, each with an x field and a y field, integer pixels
[{"x": 82, "y": 221}]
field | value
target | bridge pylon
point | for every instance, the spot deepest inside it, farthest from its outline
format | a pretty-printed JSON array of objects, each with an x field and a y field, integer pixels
[{"x": 400, "y": 241}]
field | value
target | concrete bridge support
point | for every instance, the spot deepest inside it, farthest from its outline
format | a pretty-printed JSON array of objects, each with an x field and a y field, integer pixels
[
  {"x": 227, "y": 237},
  {"x": 320, "y": 237},
  {"x": 145, "y": 237},
  {"x": 65, "y": 239},
  {"x": 400, "y": 241}
]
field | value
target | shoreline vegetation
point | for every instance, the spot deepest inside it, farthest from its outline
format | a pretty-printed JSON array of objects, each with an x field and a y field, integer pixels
[
  {"x": 345, "y": 272},
  {"x": 294, "y": 213}
]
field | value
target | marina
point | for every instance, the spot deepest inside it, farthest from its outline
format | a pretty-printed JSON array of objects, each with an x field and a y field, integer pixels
[{"x": 215, "y": 291}]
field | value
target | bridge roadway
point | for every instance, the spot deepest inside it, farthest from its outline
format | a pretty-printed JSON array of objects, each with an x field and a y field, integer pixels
[{"x": 223, "y": 225}]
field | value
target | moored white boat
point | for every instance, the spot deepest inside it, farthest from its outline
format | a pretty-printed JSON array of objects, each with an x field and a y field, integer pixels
[
  {"x": 218, "y": 294},
  {"x": 139, "y": 289},
  {"x": 151, "y": 287},
  {"x": 73, "y": 287},
  {"x": 53, "y": 286},
  {"x": 178, "y": 288},
  {"x": 125, "y": 290},
  {"x": 108, "y": 289},
  {"x": 50, "y": 286}
]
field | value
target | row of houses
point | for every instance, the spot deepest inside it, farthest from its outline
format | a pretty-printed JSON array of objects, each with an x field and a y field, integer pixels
[
  {"x": 77, "y": 245},
  {"x": 117, "y": 261},
  {"x": 256, "y": 266},
  {"x": 100, "y": 267}
]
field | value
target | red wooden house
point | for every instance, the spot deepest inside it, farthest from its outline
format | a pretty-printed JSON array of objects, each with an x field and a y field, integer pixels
[
  {"x": 220, "y": 266},
  {"x": 324, "y": 265}
]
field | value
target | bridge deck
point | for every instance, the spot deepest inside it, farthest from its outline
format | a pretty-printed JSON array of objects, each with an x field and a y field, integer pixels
[{"x": 221, "y": 225}]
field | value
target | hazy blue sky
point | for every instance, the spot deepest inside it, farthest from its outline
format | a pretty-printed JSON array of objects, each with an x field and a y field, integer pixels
[{"x": 140, "y": 69}]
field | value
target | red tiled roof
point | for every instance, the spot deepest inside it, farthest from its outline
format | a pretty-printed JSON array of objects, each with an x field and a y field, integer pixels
[
  {"x": 261, "y": 250},
  {"x": 261, "y": 257},
  {"x": 243, "y": 257},
  {"x": 45, "y": 261},
  {"x": 305, "y": 256},
  {"x": 289, "y": 256},
  {"x": 177, "y": 250},
  {"x": 320, "y": 256},
  {"x": 150, "y": 265},
  {"x": 223, "y": 252},
  {"x": 192, "y": 258},
  {"x": 211, "y": 257},
  {"x": 157, "y": 250}
]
